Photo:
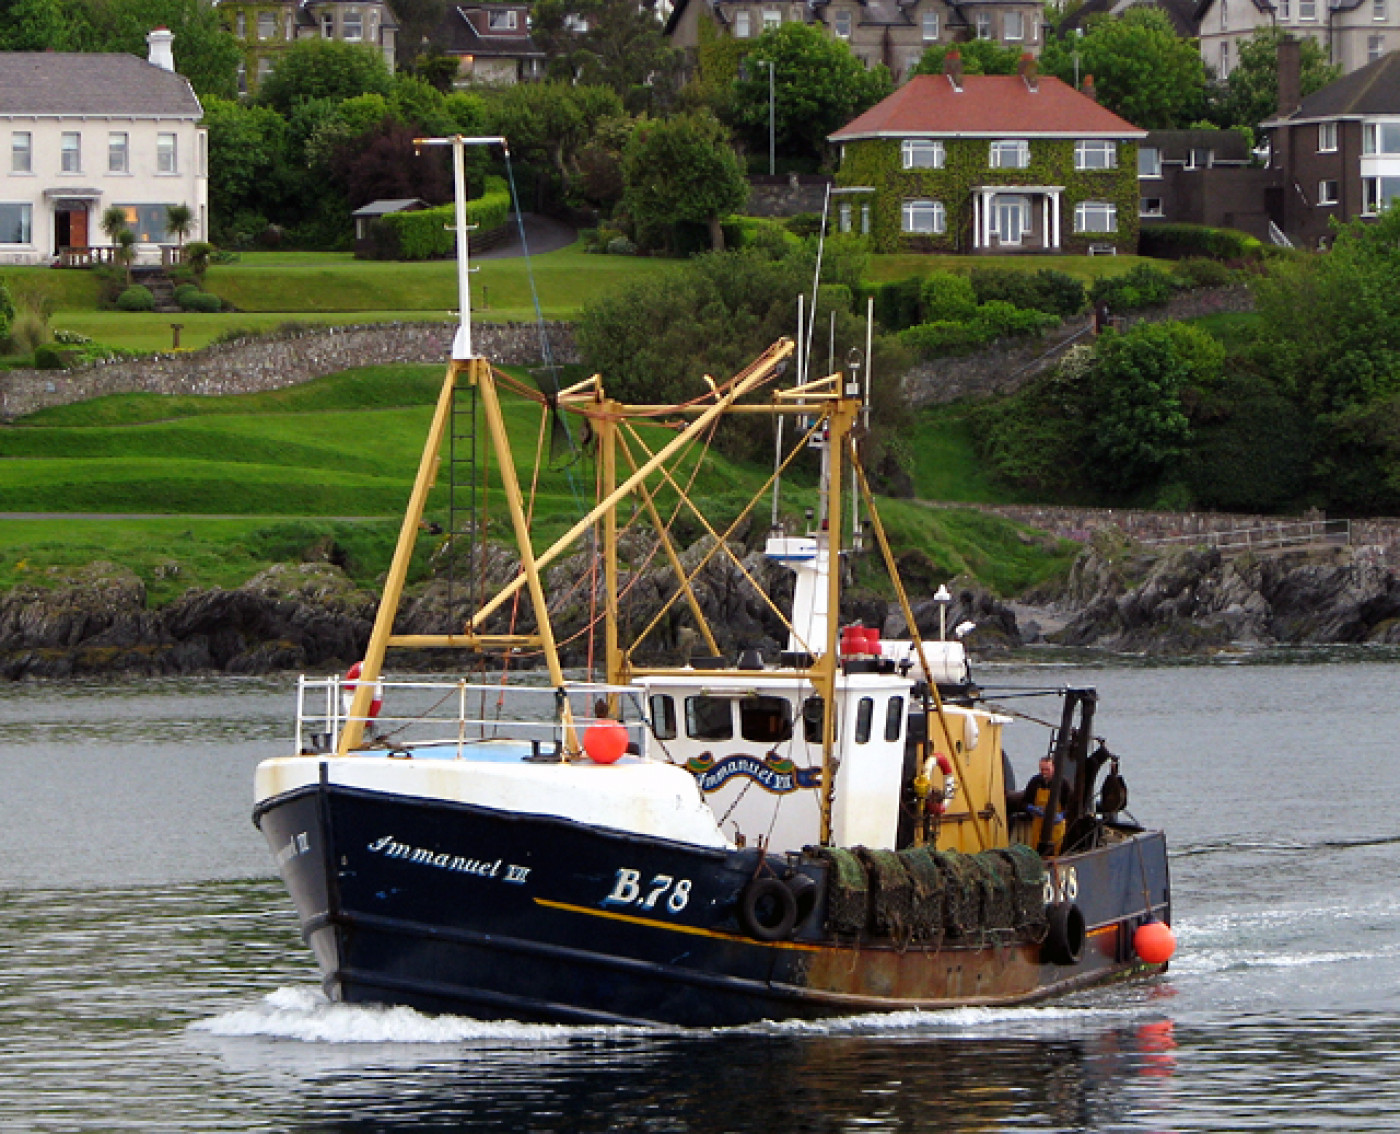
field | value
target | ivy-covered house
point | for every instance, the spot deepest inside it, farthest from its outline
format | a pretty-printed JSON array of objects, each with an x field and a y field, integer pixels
[{"x": 989, "y": 164}]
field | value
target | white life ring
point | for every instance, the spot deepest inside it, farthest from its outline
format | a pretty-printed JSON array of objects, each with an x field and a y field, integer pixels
[
  {"x": 938, "y": 801},
  {"x": 352, "y": 683}
]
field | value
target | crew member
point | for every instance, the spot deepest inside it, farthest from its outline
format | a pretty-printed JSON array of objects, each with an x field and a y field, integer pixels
[{"x": 1031, "y": 802}]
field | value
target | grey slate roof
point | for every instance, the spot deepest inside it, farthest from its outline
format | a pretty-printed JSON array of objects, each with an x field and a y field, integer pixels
[
  {"x": 1373, "y": 89},
  {"x": 101, "y": 83}
]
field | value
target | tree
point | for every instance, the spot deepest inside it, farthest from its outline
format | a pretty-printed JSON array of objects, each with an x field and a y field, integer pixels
[
  {"x": 682, "y": 169},
  {"x": 613, "y": 43},
  {"x": 1251, "y": 91},
  {"x": 205, "y": 52},
  {"x": 418, "y": 22},
  {"x": 179, "y": 219},
  {"x": 248, "y": 147},
  {"x": 1142, "y": 69},
  {"x": 114, "y": 224},
  {"x": 383, "y": 163},
  {"x": 324, "y": 69},
  {"x": 36, "y": 25},
  {"x": 548, "y": 124},
  {"x": 979, "y": 57},
  {"x": 818, "y": 86}
]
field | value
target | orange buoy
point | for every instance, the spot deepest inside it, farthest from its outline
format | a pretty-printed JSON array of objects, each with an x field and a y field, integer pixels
[
  {"x": 1155, "y": 942},
  {"x": 605, "y": 741}
]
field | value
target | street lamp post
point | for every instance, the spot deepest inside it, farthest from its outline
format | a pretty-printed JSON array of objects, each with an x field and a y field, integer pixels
[{"x": 772, "y": 165}]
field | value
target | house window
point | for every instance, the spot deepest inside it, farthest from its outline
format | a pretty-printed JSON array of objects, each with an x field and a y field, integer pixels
[
  {"x": 922, "y": 153},
  {"x": 352, "y": 28},
  {"x": 1378, "y": 10},
  {"x": 708, "y": 718},
  {"x": 267, "y": 25},
  {"x": 146, "y": 221},
  {"x": 1149, "y": 161},
  {"x": 843, "y": 217},
  {"x": 1150, "y": 207},
  {"x": 1095, "y": 153},
  {"x": 1380, "y": 138},
  {"x": 202, "y": 145},
  {"x": 70, "y": 148},
  {"x": 1326, "y": 192},
  {"x": 501, "y": 21},
  {"x": 1307, "y": 9},
  {"x": 1095, "y": 216},
  {"x": 166, "y": 155},
  {"x": 1379, "y": 193},
  {"x": 930, "y": 26},
  {"x": 843, "y": 25},
  {"x": 765, "y": 720},
  {"x": 264, "y": 67},
  {"x": 287, "y": 27},
  {"x": 1013, "y": 25},
  {"x": 15, "y": 224},
  {"x": 894, "y": 719},
  {"x": 1010, "y": 154},
  {"x": 240, "y": 23},
  {"x": 241, "y": 76},
  {"x": 1200, "y": 159},
  {"x": 1011, "y": 218},
  {"x": 117, "y": 153},
  {"x": 924, "y": 216},
  {"x": 1285, "y": 9},
  {"x": 741, "y": 25},
  {"x": 984, "y": 25},
  {"x": 663, "y": 716},
  {"x": 865, "y": 220},
  {"x": 1224, "y": 15},
  {"x": 1326, "y": 137},
  {"x": 1375, "y": 47},
  {"x": 22, "y": 152},
  {"x": 1224, "y": 58},
  {"x": 772, "y": 18}
]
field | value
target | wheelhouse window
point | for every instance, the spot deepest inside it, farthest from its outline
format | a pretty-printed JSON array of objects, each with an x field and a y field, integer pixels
[
  {"x": 16, "y": 223},
  {"x": 765, "y": 720},
  {"x": 812, "y": 719},
  {"x": 708, "y": 718},
  {"x": 118, "y": 146},
  {"x": 1327, "y": 193},
  {"x": 1095, "y": 216},
  {"x": 1010, "y": 154},
  {"x": 894, "y": 719},
  {"x": 663, "y": 716},
  {"x": 1095, "y": 153},
  {"x": 1326, "y": 137},
  {"x": 70, "y": 147},
  {"x": 167, "y": 156},
  {"x": 921, "y": 153},
  {"x": 1149, "y": 161},
  {"x": 930, "y": 26},
  {"x": 865, "y": 713},
  {"x": 21, "y": 152},
  {"x": 922, "y": 215}
]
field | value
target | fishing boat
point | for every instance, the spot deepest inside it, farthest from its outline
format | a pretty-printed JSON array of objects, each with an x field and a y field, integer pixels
[{"x": 821, "y": 830}]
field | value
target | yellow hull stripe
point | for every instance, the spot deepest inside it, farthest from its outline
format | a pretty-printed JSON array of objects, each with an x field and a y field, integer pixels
[{"x": 693, "y": 931}]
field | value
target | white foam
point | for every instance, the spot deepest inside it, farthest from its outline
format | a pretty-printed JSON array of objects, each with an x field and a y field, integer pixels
[
  {"x": 305, "y": 1015},
  {"x": 958, "y": 1020}
]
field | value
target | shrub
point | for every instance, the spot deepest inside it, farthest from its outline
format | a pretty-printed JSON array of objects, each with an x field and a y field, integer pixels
[
  {"x": 183, "y": 293},
  {"x": 1197, "y": 272},
  {"x": 1002, "y": 320},
  {"x": 621, "y": 246},
  {"x": 945, "y": 296},
  {"x": 897, "y": 303},
  {"x": 804, "y": 224},
  {"x": 945, "y": 337},
  {"x": 48, "y": 357},
  {"x": 1143, "y": 286},
  {"x": 136, "y": 298},
  {"x": 204, "y": 302},
  {"x": 1055, "y": 293},
  {"x": 431, "y": 233},
  {"x": 1180, "y": 241}
]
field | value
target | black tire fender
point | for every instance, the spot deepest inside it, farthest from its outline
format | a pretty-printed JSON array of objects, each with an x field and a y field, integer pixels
[
  {"x": 1065, "y": 934},
  {"x": 767, "y": 910},
  {"x": 805, "y": 891}
]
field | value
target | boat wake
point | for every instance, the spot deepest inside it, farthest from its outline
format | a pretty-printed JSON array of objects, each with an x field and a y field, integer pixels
[{"x": 1251, "y": 844}]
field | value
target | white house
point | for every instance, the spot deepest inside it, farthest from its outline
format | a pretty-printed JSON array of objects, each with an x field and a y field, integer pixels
[{"x": 87, "y": 131}]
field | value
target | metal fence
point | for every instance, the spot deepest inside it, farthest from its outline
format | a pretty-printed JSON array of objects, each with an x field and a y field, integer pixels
[{"x": 1265, "y": 537}]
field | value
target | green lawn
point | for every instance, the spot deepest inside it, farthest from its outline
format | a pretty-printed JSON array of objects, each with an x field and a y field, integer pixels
[{"x": 945, "y": 466}]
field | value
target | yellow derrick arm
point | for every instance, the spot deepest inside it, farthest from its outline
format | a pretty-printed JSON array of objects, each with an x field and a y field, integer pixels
[
  {"x": 983, "y": 838},
  {"x": 755, "y": 376},
  {"x": 720, "y": 544}
]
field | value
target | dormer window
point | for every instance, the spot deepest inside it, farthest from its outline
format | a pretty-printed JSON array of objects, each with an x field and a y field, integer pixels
[
  {"x": 843, "y": 25},
  {"x": 930, "y": 25},
  {"x": 502, "y": 21},
  {"x": 1095, "y": 153},
  {"x": 921, "y": 153},
  {"x": 1014, "y": 154}
]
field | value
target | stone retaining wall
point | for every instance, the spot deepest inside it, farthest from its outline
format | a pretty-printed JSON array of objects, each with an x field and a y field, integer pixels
[
  {"x": 787, "y": 196},
  {"x": 270, "y": 362}
]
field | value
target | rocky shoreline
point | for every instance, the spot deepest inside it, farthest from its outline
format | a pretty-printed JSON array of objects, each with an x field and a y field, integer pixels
[{"x": 1118, "y": 598}]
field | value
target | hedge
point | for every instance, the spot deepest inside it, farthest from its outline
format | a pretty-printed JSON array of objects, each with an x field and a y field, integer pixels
[
  {"x": 1180, "y": 241},
  {"x": 431, "y": 233}
]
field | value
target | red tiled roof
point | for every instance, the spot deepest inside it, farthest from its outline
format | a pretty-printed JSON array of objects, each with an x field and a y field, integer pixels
[{"x": 987, "y": 106}]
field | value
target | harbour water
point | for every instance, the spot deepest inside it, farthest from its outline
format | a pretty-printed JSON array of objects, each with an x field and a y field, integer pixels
[{"x": 152, "y": 977}]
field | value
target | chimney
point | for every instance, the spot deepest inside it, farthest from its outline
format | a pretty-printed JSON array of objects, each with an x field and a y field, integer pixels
[
  {"x": 1027, "y": 70},
  {"x": 161, "y": 56},
  {"x": 952, "y": 67},
  {"x": 1087, "y": 88},
  {"x": 1290, "y": 79}
]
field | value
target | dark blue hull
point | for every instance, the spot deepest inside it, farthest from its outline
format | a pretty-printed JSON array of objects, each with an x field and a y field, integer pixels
[{"x": 467, "y": 910}]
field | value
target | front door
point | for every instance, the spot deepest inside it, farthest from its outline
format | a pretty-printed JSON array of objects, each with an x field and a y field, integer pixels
[
  {"x": 78, "y": 228},
  {"x": 1010, "y": 214}
]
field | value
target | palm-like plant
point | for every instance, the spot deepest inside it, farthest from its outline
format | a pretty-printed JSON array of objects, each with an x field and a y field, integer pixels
[
  {"x": 179, "y": 219},
  {"x": 123, "y": 239}
]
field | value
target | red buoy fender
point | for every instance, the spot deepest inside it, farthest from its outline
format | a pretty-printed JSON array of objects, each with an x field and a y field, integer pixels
[
  {"x": 1154, "y": 942},
  {"x": 352, "y": 683}
]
